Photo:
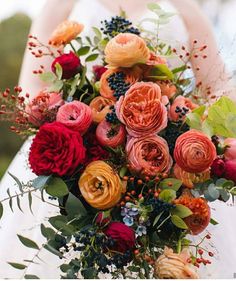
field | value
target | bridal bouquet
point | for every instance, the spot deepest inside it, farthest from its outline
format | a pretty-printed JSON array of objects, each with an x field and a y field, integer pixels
[{"x": 133, "y": 154}]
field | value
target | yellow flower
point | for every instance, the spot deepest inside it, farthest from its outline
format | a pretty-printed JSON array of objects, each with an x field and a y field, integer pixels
[
  {"x": 174, "y": 266},
  {"x": 100, "y": 185},
  {"x": 65, "y": 32}
]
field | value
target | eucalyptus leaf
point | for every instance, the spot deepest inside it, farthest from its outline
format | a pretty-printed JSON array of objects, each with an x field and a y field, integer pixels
[
  {"x": 213, "y": 222},
  {"x": 56, "y": 187},
  {"x": 47, "y": 232},
  {"x": 1, "y": 210},
  {"x": 28, "y": 242},
  {"x": 40, "y": 181},
  {"x": 53, "y": 250},
  {"x": 74, "y": 207},
  {"x": 89, "y": 273},
  {"x": 31, "y": 276},
  {"x": 17, "y": 181},
  {"x": 19, "y": 266},
  {"x": 224, "y": 195},
  {"x": 213, "y": 191}
]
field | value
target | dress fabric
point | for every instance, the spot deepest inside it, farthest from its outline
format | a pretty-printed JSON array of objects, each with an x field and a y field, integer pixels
[{"x": 90, "y": 13}]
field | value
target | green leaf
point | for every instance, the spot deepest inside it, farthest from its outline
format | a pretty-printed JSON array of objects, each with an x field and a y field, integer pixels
[
  {"x": 133, "y": 268},
  {"x": 97, "y": 32},
  {"x": 167, "y": 195},
  {"x": 53, "y": 250},
  {"x": 181, "y": 211},
  {"x": 31, "y": 276},
  {"x": 170, "y": 183},
  {"x": 65, "y": 267},
  {"x": 83, "y": 51},
  {"x": 1, "y": 210},
  {"x": 56, "y": 86},
  {"x": 56, "y": 187},
  {"x": 74, "y": 85},
  {"x": 207, "y": 128},
  {"x": 200, "y": 110},
  {"x": 48, "y": 77},
  {"x": 27, "y": 242},
  {"x": 83, "y": 77},
  {"x": 47, "y": 232},
  {"x": 153, "y": 7},
  {"x": 194, "y": 120},
  {"x": 161, "y": 70},
  {"x": 92, "y": 57},
  {"x": 89, "y": 273},
  {"x": 213, "y": 222},
  {"x": 177, "y": 221},
  {"x": 123, "y": 171},
  {"x": 213, "y": 191},
  {"x": 74, "y": 207},
  {"x": 179, "y": 69},
  {"x": 30, "y": 201},
  {"x": 157, "y": 218},
  {"x": 18, "y": 203},
  {"x": 225, "y": 195},
  {"x": 59, "y": 70},
  {"x": 19, "y": 266},
  {"x": 17, "y": 181},
  {"x": 40, "y": 181}
]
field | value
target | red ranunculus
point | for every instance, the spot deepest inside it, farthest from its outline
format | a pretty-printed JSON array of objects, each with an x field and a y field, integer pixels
[
  {"x": 56, "y": 150},
  {"x": 98, "y": 70},
  {"x": 230, "y": 170},
  {"x": 123, "y": 236},
  {"x": 70, "y": 64},
  {"x": 218, "y": 167}
]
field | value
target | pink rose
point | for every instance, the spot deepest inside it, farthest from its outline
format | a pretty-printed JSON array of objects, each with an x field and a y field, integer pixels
[
  {"x": 75, "y": 115},
  {"x": 230, "y": 170},
  {"x": 108, "y": 135},
  {"x": 43, "y": 108},
  {"x": 148, "y": 156},
  {"x": 230, "y": 152}
]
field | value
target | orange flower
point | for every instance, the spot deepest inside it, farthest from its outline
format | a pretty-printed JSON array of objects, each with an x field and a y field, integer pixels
[
  {"x": 100, "y": 107},
  {"x": 180, "y": 102},
  {"x": 167, "y": 88},
  {"x": 201, "y": 212},
  {"x": 189, "y": 179},
  {"x": 155, "y": 59},
  {"x": 194, "y": 152},
  {"x": 174, "y": 266},
  {"x": 65, "y": 32},
  {"x": 126, "y": 50},
  {"x": 141, "y": 110},
  {"x": 132, "y": 75},
  {"x": 148, "y": 156},
  {"x": 100, "y": 186}
]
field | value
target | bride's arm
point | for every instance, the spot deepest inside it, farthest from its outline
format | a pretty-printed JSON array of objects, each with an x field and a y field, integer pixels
[
  {"x": 52, "y": 14},
  {"x": 212, "y": 69}
]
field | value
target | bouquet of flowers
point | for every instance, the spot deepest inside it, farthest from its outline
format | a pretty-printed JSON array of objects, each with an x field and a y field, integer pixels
[{"x": 133, "y": 154}]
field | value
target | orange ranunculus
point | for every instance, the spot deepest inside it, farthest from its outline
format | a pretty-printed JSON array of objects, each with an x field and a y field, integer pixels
[
  {"x": 182, "y": 103},
  {"x": 100, "y": 107},
  {"x": 100, "y": 185},
  {"x": 141, "y": 110},
  {"x": 201, "y": 212},
  {"x": 148, "y": 156},
  {"x": 167, "y": 88},
  {"x": 126, "y": 50},
  {"x": 189, "y": 179},
  {"x": 65, "y": 32},
  {"x": 194, "y": 152},
  {"x": 132, "y": 75},
  {"x": 171, "y": 265}
]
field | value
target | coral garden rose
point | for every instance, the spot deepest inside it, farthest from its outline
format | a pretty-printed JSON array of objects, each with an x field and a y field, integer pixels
[
  {"x": 69, "y": 63},
  {"x": 126, "y": 50},
  {"x": 148, "y": 156},
  {"x": 100, "y": 106},
  {"x": 98, "y": 70},
  {"x": 65, "y": 32},
  {"x": 100, "y": 186},
  {"x": 109, "y": 135},
  {"x": 230, "y": 151},
  {"x": 43, "y": 107},
  {"x": 181, "y": 104},
  {"x": 189, "y": 179},
  {"x": 171, "y": 265},
  {"x": 131, "y": 75},
  {"x": 56, "y": 150},
  {"x": 201, "y": 212},
  {"x": 75, "y": 115},
  {"x": 194, "y": 152},
  {"x": 123, "y": 236},
  {"x": 141, "y": 110},
  {"x": 167, "y": 88}
]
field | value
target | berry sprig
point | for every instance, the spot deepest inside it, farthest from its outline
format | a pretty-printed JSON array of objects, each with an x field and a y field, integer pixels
[{"x": 117, "y": 83}]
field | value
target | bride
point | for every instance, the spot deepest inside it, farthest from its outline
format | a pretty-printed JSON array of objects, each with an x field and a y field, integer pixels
[{"x": 188, "y": 25}]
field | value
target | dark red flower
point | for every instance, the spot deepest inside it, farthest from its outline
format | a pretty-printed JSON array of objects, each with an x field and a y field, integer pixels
[
  {"x": 102, "y": 220},
  {"x": 123, "y": 236},
  {"x": 98, "y": 70},
  {"x": 70, "y": 64},
  {"x": 56, "y": 150},
  {"x": 218, "y": 167},
  {"x": 230, "y": 170}
]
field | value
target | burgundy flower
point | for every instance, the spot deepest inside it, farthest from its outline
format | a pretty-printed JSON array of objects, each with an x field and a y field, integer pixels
[
  {"x": 98, "y": 70},
  {"x": 56, "y": 150},
  {"x": 70, "y": 64},
  {"x": 123, "y": 236},
  {"x": 230, "y": 170},
  {"x": 101, "y": 220},
  {"x": 218, "y": 167}
]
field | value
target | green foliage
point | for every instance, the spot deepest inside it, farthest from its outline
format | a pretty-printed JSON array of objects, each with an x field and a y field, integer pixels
[
  {"x": 177, "y": 221},
  {"x": 161, "y": 72},
  {"x": 167, "y": 195},
  {"x": 30, "y": 276},
  {"x": 170, "y": 183},
  {"x": 181, "y": 211},
  {"x": 19, "y": 266},
  {"x": 1, "y": 210},
  {"x": 27, "y": 242},
  {"x": 56, "y": 187}
]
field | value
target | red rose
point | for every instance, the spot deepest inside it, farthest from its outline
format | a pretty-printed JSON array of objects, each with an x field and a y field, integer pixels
[
  {"x": 98, "y": 70},
  {"x": 218, "y": 167},
  {"x": 123, "y": 236},
  {"x": 56, "y": 150},
  {"x": 102, "y": 220},
  {"x": 230, "y": 170},
  {"x": 70, "y": 64}
]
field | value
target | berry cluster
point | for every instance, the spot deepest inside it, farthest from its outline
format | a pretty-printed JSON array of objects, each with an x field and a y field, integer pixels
[
  {"x": 117, "y": 83},
  {"x": 182, "y": 111},
  {"x": 111, "y": 116},
  {"x": 118, "y": 25}
]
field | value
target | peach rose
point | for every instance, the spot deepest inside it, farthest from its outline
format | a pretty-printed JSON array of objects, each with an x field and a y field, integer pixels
[
  {"x": 194, "y": 152},
  {"x": 189, "y": 179},
  {"x": 167, "y": 88},
  {"x": 109, "y": 135},
  {"x": 155, "y": 59},
  {"x": 65, "y": 32},
  {"x": 43, "y": 107},
  {"x": 174, "y": 266},
  {"x": 141, "y": 110},
  {"x": 100, "y": 106},
  {"x": 126, "y": 50},
  {"x": 230, "y": 152},
  {"x": 100, "y": 186},
  {"x": 132, "y": 75},
  {"x": 148, "y": 156},
  {"x": 75, "y": 115},
  {"x": 185, "y": 105}
]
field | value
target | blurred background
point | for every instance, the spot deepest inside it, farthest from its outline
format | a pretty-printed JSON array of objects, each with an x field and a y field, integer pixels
[{"x": 15, "y": 21}]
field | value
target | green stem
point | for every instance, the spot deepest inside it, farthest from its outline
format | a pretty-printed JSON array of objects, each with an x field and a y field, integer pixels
[{"x": 73, "y": 48}]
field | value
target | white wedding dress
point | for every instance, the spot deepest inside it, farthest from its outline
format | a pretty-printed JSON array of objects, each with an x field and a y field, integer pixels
[{"x": 90, "y": 13}]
